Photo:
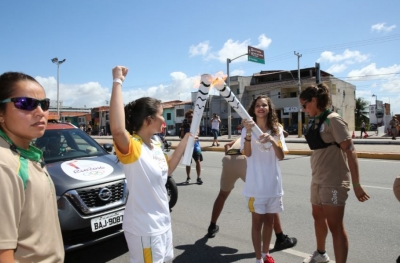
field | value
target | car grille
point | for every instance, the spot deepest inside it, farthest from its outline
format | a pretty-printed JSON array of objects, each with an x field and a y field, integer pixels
[{"x": 89, "y": 200}]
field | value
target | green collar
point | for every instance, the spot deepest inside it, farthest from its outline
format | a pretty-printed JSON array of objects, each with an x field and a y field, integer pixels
[
  {"x": 322, "y": 113},
  {"x": 33, "y": 153}
]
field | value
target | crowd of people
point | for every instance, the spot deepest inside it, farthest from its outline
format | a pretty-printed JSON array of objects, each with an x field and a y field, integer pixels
[{"x": 30, "y": 230}]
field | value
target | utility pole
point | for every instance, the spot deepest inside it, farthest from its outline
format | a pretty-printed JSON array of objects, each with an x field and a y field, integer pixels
[
  {"x": 58, "y": 62},
  {"x": 299, "y": 123},
  {"x": 228, "y": 83}
]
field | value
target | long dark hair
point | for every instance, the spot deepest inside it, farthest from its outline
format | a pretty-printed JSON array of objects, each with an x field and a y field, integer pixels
[
  {"x": 321, "y": 92},
  {"x": 137, "y": 111},
  {"x": 272, "y": 118},
  {"x": 7, "y": 82}
]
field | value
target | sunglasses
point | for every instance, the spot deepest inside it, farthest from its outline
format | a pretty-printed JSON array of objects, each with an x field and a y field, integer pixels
[
  {"x": 304, "y": 105},
  {"x": 28, "y": 104}
]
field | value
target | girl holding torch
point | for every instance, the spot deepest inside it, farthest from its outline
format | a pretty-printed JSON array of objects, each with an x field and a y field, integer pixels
[{"x": 263, "y": 187}]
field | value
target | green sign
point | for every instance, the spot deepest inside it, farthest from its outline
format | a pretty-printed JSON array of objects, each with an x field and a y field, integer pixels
[
  {"x": 257, "y": 60},
  {"x": 255, "y": 55}
]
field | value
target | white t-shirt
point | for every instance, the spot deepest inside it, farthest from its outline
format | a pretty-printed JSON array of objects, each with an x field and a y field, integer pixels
[
  {"x": 146, "y": 170},
  {"x": 263, "y": 174},
  {"x": 215, "y": 124}
]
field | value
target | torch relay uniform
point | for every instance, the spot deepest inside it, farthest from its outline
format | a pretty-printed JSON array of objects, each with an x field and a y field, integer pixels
[
  {"x": 263, "y": 175},
  {"x": 29, "y": 217},
  {"x": 147, "y": 220}
]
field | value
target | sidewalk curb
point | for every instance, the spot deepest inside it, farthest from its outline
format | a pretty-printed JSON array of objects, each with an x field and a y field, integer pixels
[{"x": 366, "y": 155}]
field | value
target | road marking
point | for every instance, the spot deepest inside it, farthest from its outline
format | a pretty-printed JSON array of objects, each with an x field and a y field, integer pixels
[
  {"x": 296, "y": 253},
  {"x": 377, "y": 187}
]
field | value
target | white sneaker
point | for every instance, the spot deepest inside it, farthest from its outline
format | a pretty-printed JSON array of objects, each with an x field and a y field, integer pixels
[{"x": 317, "y": 258}]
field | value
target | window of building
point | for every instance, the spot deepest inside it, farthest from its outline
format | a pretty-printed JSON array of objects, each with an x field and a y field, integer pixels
[
  {"x": 180, "y": 113},
  {"x": 169, "y": 116}
]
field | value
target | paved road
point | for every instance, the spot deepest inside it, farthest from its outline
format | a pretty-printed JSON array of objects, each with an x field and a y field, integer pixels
[{"x": 372, "y": 226}]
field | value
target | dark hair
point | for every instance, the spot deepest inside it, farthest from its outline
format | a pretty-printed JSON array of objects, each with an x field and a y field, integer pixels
[
  {"x": 321, "y": 92},
  {"x": 137, "y": 111},
  {"x": 188, "y": 113},
  {"x": 7, "y": 82},
  {"x": 272, "y": 118}
]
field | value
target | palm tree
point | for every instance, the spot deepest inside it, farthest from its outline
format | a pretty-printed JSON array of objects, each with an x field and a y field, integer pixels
[{"x": 361, "y": 112}]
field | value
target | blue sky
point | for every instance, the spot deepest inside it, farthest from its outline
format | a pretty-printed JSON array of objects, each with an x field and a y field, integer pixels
[{"x": 168, "y": 44}]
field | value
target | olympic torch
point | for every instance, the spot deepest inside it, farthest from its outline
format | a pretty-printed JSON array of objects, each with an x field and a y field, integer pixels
[
  {"x": 227, "y": 94},
  {"x": 200, "y": 102}
]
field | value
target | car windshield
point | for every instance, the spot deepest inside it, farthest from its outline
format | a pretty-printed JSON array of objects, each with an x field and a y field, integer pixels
[{"x": 67, "y": 144}]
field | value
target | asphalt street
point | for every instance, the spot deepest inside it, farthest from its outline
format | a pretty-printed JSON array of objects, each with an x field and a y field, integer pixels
[{"x": 372, "y": 226}]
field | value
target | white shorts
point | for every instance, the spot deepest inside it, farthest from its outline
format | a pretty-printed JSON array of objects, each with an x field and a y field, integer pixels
[
  {"x": 271, "y": 205},
  {"x": 153, "y": 249}
]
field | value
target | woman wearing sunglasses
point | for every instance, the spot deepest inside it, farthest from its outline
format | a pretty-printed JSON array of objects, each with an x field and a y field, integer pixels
[
  {"x": 333, "y": 162},
  {"x": 29, "y": 229}
]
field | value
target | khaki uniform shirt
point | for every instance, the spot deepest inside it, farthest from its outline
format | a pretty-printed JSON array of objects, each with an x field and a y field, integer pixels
[
  {"x": 29, "y": 217},
  {"x": 329, "y": 165}
]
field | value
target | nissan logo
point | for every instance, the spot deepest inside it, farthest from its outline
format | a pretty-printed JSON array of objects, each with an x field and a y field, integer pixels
[{"x": 105, "y": 194}]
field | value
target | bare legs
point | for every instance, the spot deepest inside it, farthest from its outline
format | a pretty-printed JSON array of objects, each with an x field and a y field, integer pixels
[
  {"x": 331, "y": 217},
  {"x": 198, "y": 169},
  {"x": 261, "y": 241},
  {"x": 219, "y": 205}
]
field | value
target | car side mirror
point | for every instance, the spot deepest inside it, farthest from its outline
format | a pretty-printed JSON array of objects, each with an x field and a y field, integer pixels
[{"x": 108, "y": 147}]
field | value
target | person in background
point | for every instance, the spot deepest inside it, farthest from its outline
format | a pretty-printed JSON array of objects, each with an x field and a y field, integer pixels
[
  {"x": 333, "y": 160},
  {"x": 197, "y": 155},
  {"x": 234, "y": 167},
  {"x": 394, "y": 123},
  {"x": 362, "y": 129},
  {"x": 30, "y": 229},
  {"x": 263, "y": 187},
  {"x": 215, "y": 121},
  {"x": 147, "y": 219}
]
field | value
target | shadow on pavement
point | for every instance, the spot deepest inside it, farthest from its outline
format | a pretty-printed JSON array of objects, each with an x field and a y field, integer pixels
[
  {"x": 102, "y": 252},
  {"x": 200, "y": 252}
]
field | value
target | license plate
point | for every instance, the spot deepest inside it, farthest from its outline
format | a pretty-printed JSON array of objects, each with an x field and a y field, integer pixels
[{"x": 106, "y": 221}]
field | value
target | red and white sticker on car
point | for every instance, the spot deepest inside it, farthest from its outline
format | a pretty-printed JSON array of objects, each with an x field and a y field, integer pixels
[{"x": 86, "y": 170}]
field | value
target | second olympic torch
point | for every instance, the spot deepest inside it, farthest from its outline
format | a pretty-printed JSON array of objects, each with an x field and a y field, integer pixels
[
  {"x": 226, "y": 92},
  {"x": 199, "y": 105}
]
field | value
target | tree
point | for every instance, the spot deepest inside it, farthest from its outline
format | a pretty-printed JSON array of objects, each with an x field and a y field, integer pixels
[{"x": 361, "y": 112}]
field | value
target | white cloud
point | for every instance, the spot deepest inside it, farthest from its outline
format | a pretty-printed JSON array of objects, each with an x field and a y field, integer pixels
[
  {"x": 382, "y": 27},
  {"x": 336, "y": 68},
  {"x": 264, "y": 42},
  {"x": 91, "y": 94},
  {"x": 348, "y": 56},
  {"x": 237, "y": 72},
  {"x": 201, "y": 49},
  {"x": 385, "y": 82},
  {"x": 231, "y": 49},
  {"x": 371, "y": 72}
]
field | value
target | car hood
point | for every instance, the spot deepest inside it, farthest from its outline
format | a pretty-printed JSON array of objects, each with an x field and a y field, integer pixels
[{"x": 83, "y": 172}]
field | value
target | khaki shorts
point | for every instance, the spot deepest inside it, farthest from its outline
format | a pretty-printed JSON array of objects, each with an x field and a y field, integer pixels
[
  {"x": 233, "y": 168},
  {"x": 396, "y": 188},
  {"x": 328, "y": 195}
]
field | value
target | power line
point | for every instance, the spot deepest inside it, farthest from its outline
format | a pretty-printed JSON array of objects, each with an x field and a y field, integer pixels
[{"x": 289, "y": 55}]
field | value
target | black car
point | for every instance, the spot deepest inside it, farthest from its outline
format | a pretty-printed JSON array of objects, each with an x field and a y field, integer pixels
[
  {"x": 90, "y": 185},
  {"x": 292, "y": 129}
]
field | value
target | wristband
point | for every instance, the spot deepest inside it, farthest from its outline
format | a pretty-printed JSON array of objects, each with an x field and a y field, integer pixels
[
  {"x": 247, "y": 140},
  {"x": 118, "y": 81},
  {"x": 356, "y": 184}
]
